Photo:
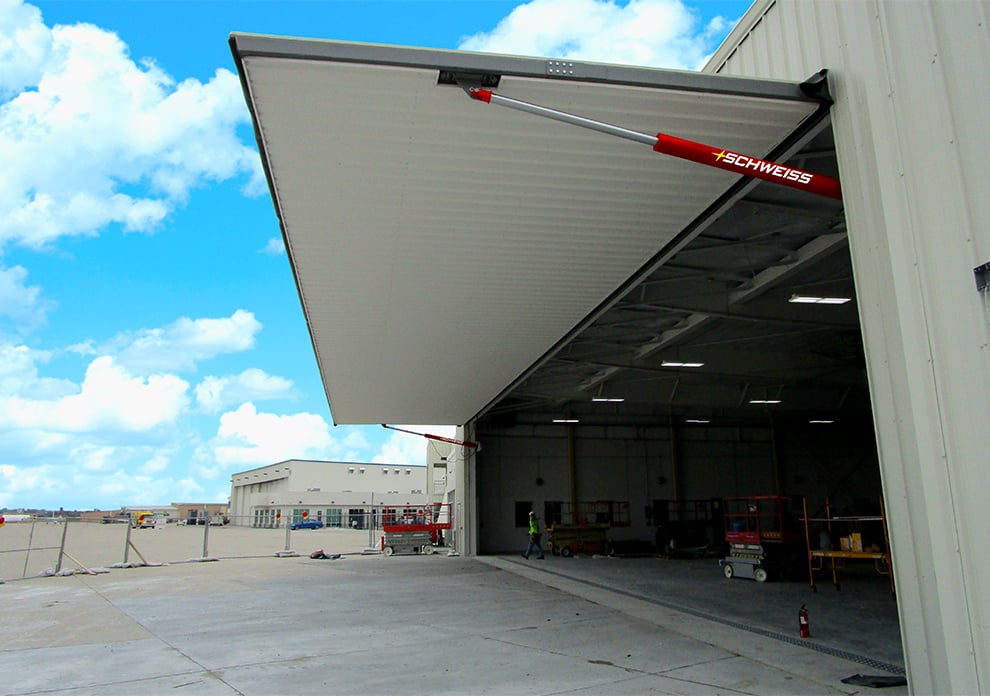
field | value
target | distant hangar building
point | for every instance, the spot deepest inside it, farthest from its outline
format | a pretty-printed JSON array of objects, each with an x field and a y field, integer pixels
[
  {"x": 338, "y": 494},
  {"x": 624, "y": 329}
]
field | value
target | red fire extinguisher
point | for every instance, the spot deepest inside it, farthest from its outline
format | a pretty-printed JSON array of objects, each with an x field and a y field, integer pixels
[{"x": 803, "y": 626}]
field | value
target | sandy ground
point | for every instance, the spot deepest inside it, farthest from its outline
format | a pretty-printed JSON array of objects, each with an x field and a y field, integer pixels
[{"x": 28, "y": 549}]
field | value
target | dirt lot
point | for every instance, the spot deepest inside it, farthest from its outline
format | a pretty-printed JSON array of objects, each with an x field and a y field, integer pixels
[{"x": 30, "y": 548}]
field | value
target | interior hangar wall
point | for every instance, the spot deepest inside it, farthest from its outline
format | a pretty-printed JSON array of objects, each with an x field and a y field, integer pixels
[
  {"x": 911, "y": 98},
  {"x": 642, "y": 464}
]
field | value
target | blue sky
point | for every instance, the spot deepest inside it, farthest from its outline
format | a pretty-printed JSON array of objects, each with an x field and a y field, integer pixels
[{"x": 151, "y": 339}]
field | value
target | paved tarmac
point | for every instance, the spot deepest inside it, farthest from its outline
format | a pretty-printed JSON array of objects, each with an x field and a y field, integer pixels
[{"x": 365, "y": 624}]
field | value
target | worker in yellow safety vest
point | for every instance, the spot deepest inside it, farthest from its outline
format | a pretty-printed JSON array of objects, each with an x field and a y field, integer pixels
[{"x": 534, "y": 536}]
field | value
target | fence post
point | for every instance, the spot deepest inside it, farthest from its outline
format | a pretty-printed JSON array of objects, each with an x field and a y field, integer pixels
[
  {"x": 61, "y": 548},
  {"x": 287, "y": 552},
  {"x": 127, "y": 542},
  {"x": 371, "y": 522},
  {"x": 28, "y": 554}
]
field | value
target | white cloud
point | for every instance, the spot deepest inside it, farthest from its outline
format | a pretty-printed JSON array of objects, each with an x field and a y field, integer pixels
[
  {"x": 400, "y": 449},
  {"x": 656, "y": 33},
  {"x": 119, "y": 487},
  {"x": 91, "y": 124},
  {"x": 405, "y": 448},
  {"x": 93, "y": 457},
  {"x": 19, "y": 374},
  {"x": 74, "y": 487},
  {"x": 275, "y": 247},
  {"x": 183, "y": 343},
  {"x": 19, "y": 302},
  {"x": 249, "y": 438},
  {"x": 17, "y": 482},
  {"x": 156, "y": 464},
  {"x": 110, "y": 399},
  {"x": 190, "y": 491},
  {"x": 353, "y": 447},
  {"x": 215, "y": 393},
  {"x": 113, "y": 428},
  {"x": 24, "y": 42}
]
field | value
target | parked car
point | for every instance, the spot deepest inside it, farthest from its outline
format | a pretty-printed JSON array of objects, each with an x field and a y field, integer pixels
[{"x": 307, "y": 524}]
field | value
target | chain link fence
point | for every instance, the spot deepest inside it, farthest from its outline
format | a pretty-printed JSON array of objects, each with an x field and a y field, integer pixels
[{"x": 67, "y": 545}]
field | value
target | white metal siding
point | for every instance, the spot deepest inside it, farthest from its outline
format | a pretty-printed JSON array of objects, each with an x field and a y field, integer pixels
[{"x": 911, "y": 91}]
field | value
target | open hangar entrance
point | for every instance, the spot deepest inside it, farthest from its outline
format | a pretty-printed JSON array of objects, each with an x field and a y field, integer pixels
[
  {"x": 446, "y": 279},
  {"x": 715, "y": 374}
]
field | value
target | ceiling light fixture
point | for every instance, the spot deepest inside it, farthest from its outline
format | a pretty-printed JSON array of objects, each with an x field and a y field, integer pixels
[
  {"x": 673, "y": 363},
  {"x": 812, "y": 299},
  {"x": 565, "y": 420},
  {"x": 764, "y": 401},
  {"x": 607, "y": 400},
  {"x": 696, "y": 420},
  {"x": 821, "y": 421}
]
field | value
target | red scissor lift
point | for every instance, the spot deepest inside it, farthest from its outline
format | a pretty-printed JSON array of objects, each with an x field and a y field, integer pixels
[
  {"x": 414, "y": 528},
  {"x": 765, "y": 535}
]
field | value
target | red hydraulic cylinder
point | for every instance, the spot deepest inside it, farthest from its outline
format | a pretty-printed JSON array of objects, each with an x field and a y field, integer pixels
[
  {"x": 748, "y": 165},
  {"x": 684, "y": 149},
  {"x": 438, "y": 438}
]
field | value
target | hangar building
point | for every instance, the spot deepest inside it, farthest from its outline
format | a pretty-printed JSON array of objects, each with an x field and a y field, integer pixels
[
  {"x": 618, "y": 327},
  {"x": 338, "y": 494}
]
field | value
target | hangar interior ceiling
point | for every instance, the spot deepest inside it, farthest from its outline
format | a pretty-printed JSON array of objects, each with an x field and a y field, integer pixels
[
  {"x": 457, "y": 260},
  {"x": 723, "y": 300}
]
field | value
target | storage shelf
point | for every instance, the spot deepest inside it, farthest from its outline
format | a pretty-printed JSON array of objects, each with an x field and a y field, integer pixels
[{"x": 846, "y": 526}]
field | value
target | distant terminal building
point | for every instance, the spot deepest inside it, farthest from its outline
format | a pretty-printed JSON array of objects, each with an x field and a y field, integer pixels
[
  {"x": 188, "y": 513},
  {"x": 338, "y": 494}
]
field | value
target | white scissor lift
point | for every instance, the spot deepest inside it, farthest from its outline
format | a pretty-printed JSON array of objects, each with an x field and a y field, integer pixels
[
  {"x": 414, "y": 528},
  {"x": 764, "y": 537}
]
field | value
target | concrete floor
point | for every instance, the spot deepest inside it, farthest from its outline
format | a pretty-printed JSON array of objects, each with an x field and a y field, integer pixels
[{"x": 438, "y": 624}]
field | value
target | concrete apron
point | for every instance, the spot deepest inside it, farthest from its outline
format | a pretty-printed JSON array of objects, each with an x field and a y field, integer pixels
[{"x": 375, "y": 625}]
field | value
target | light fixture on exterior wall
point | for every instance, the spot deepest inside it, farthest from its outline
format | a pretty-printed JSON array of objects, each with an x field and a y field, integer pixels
[
  {"x": 814, "y": 299},
  {"x": 678, "y": 363},
  {"x": 697, "y": 420}
]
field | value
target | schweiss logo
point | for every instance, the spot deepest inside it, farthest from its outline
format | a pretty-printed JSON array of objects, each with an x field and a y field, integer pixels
[{"x": 744, "y": 162}]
